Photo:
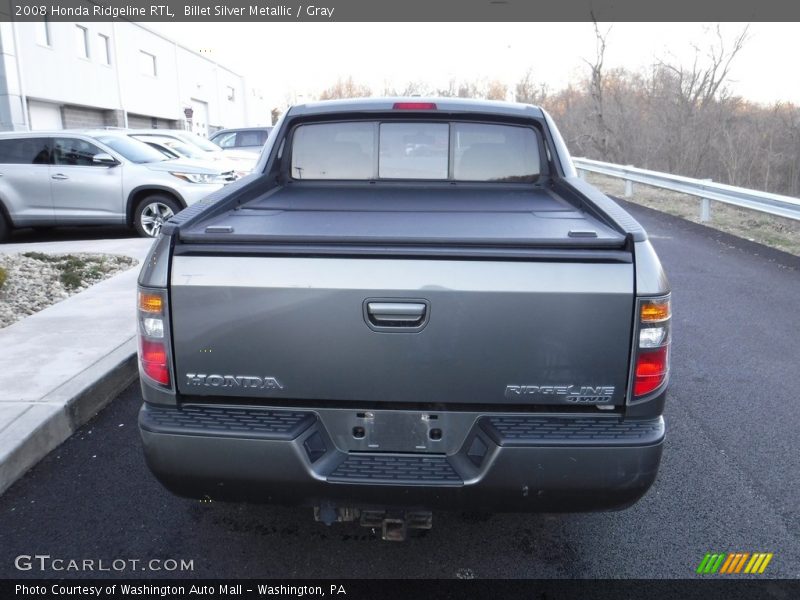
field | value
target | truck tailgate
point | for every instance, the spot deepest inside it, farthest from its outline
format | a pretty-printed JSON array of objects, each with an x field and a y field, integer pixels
[{"x": 386, "y": 330}]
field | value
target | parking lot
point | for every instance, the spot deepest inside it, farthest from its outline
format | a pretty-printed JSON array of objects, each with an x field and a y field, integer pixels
[{"x": 729, "y": 480}]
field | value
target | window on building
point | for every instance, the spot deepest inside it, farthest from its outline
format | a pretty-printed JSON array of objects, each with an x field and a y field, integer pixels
[
  {"x": 231, "y": 93},
  {"x": 82, "y": 41},
  {"x": 105, "y": 49},
  {"x": 147, "y": 63},
  {"x": 43, "y": 33}
]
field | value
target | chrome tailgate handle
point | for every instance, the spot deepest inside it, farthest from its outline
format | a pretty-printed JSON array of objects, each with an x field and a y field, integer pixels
[
  {"x": 402, "y": 312},
  {"x": 396, "y": 315}
]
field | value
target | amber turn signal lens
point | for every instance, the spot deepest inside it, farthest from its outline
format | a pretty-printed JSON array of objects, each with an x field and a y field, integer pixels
[
  {"x": 654, "y": 311},
  {"x": 151, "y": 303}
]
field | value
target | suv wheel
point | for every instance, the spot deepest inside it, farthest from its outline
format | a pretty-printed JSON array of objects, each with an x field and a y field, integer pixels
[
  {"x": 152, "y": 212},
  {"x": 5, "y": 227}
]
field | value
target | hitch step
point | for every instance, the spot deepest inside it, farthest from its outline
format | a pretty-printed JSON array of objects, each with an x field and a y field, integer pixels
[{"x": 394, "y": 524}]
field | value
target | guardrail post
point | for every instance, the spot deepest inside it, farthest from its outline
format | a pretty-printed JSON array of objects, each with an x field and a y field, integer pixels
[
  {"x": 705, "y": 207},
  {"x": 628, "y": 185}
]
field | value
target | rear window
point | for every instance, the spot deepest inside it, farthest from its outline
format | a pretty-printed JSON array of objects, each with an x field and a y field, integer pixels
[
  {"x": 225, "y": 140},
  {"x": 251, "y": 138},
  {"x": 334, "y": 151},
  {"x": 416, "y": 150},
  {"x": 495, "y": 153}
]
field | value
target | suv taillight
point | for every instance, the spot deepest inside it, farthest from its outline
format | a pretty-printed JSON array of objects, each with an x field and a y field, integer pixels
[
  {"x": 153, "y": 344},
  {"x": 651, "y": 368}
]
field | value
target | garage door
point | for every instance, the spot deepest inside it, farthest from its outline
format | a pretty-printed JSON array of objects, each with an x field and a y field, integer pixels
[
  {"x": 44, "y": 115},
  {"x": 200, "y": 117}
]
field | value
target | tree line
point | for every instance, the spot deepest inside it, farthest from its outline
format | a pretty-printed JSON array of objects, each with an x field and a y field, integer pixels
[{"x": 672, "y": 117}]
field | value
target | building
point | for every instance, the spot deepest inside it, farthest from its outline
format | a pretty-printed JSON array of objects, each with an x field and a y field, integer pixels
[{"x": 56, "y": 75}]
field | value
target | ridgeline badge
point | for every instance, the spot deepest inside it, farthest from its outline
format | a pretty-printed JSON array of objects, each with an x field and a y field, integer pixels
[{"x": 570, "y": 393}]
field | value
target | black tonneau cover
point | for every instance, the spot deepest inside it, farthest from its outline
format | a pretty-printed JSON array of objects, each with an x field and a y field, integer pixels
[{"x": 451, "y": 214}]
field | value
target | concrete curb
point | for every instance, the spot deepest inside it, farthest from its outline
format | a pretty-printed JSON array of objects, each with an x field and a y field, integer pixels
[{"x": 91, "y": 391}]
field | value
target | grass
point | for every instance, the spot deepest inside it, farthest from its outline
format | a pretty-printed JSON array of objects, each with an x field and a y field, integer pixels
[
  {"x": 3, "y": 276},
  {"x": 775, "y": 232},
  {"x": 75, "y": 270}
]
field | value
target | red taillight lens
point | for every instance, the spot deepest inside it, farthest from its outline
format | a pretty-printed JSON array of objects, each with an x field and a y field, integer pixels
[
  {"x": 651, "y": 370},
  {"x": 414, "y": 106},
  {"x": 154, "y": 361}
]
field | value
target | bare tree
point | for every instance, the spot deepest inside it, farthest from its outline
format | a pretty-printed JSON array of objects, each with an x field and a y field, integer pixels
[
  {"x": 346, "y": 88},
  {"x": 692, "y": 97},
  {"x": 600, "y": 134},
  {"x": 530, "y": 91},
  {"x": 709, "y": 73},
  {"x": 471, "y": 89},
  {"x": 411, "y": 88},
  {"x": 496, "y": 90},
  {"x": 448, "y": 92}
]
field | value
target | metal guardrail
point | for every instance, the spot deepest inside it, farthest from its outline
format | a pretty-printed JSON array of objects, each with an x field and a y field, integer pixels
[{"x": 774, "y": 204}]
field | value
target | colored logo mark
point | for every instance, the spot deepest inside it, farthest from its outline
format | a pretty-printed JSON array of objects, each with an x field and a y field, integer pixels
[{"x": 734, "y": 562}]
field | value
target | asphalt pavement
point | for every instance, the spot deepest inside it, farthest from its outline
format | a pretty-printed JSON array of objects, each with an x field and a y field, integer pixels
[{"x": 729, "y": 479}]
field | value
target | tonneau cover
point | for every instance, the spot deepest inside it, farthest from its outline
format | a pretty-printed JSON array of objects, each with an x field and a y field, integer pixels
[{"x": 457, "y": 214}]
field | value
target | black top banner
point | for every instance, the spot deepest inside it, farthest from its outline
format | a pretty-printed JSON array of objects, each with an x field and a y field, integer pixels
[{"x": 403, "y": 10}]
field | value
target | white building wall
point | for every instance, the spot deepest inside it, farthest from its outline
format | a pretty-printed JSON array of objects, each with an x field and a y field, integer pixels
[
  {"x": 12, "y": 106},
  {"x": 143, "y": 93},
  {"x": 58, "y": 74},
  {"x": 257, "y": 111},
  {"x": 230, "y": 104}
]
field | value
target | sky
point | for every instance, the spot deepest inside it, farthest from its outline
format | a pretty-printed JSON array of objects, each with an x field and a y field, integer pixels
[{"x": 291, "y": 62}]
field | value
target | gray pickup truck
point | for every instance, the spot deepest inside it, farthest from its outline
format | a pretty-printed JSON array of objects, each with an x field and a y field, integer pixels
[{"x": 411, "y": 305}]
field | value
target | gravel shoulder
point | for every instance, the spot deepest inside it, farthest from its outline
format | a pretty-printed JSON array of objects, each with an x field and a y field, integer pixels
[{"x": 32, "y": 281}]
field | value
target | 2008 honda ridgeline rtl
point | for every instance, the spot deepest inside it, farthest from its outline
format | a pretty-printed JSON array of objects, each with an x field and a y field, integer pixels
[{"x": 416, "y": 304}]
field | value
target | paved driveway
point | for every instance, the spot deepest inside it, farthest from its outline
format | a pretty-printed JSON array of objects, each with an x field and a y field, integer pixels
[{"x": 730, "y": 476}]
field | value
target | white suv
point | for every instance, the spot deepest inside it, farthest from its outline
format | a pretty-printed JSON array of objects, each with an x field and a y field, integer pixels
[{"x": 95, "y": 178}]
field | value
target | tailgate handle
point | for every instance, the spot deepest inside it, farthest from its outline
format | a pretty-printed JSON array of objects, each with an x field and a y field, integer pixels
[{"x": 396, "y": 314}]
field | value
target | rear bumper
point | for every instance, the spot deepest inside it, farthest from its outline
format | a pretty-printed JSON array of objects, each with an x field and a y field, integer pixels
[{"x": 506, "y": 463}]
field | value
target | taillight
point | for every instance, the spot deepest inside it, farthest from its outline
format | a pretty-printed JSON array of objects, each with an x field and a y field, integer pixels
[
  {"x": 652, "y": 349},
  {"x": 153, "y": 355},
  {"x": 414, "y": 106},
  {"x": 154, "y": 361}
]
